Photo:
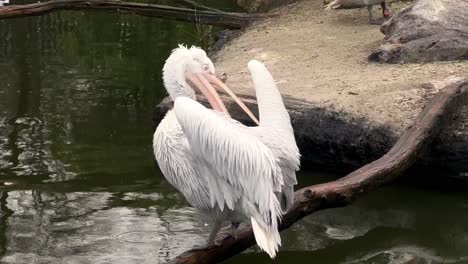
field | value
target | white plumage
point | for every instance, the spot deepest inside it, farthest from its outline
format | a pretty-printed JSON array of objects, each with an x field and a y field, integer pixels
[{"x": 222, "y": 167}]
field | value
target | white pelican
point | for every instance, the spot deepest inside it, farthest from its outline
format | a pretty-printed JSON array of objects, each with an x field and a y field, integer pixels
[{"x": 222, "y": 167}]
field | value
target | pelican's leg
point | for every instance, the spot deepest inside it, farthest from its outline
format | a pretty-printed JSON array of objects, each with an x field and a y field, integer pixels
[
  {"x": 211, "y": 239},
  {"x": 227, "y": 231},
  {"x": 216, "y": 227},
  {"x": 372, "y": 20},
  {"x": 235, "y": 226},
  {"x": 385, "y": 10}
]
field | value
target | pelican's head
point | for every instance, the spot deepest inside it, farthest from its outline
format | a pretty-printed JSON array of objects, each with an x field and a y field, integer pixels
[
  {"x": 182, "y": 63},
  {"x": 190, "y": 69}
]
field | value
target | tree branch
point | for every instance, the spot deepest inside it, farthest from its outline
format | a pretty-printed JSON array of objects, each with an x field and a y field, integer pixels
[
  {"x": 198, "y": 6},
  {"x": 412, "y": 143},
  {"x": 222, "y": 19}
]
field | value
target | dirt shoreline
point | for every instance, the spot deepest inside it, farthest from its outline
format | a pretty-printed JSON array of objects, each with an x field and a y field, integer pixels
[{"x": 346, "y": 111}]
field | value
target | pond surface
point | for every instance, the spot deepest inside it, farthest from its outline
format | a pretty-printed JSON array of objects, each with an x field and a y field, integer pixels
[{"x": 78, "y": 183}]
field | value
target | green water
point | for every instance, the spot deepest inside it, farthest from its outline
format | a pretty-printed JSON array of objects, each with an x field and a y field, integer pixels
[{"x": 78, "y": 183}]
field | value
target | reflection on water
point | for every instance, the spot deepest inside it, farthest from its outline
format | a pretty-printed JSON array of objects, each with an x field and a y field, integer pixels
[
  {"x": 84, "y": 227},
  {"x": 78, "y": 183},
  {"x": 389, "y": 226}
]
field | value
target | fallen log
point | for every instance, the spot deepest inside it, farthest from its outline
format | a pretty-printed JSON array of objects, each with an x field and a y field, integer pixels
[
  {"x": 222, "y": 19},
  {"x": 410, "y": 146}
]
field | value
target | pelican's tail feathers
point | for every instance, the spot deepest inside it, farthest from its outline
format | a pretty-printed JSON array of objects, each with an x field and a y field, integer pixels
[
  {"x": 333, "y": 4},
  {"x": 267, "y": 237}
]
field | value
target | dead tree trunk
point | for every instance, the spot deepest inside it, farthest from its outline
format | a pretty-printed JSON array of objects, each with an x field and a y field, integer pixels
[
  {"x": 222, "y": 19},
  {"x": 412, "y": 143}
]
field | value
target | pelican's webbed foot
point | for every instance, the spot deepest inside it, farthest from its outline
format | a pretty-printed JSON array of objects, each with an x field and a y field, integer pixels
[{"x": 226, "y": 232}]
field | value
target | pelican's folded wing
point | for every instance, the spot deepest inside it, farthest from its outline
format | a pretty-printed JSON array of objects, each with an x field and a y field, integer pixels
[
  {"x": 275, "y": 129},
  {"x": 240, "y": 162}
]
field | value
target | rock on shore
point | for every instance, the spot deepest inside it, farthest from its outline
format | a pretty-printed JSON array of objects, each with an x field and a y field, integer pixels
[{"x": 426, "y": 31}]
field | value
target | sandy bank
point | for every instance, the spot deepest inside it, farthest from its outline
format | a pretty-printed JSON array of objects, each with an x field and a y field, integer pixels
[{"x": 320, "y": 57}]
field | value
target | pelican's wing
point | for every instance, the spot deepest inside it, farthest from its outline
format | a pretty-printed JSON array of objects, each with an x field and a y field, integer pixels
[
  {"x": 174, "y": 156},
  {"x": 287, "y": 155},
  {"x": 240, "y": 165},
  {"x": 275, "y": 129},
  {"x": 271, "y": 109}
]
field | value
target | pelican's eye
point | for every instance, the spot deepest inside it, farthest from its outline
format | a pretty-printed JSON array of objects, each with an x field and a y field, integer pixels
[{"x": 206, "y": 67}]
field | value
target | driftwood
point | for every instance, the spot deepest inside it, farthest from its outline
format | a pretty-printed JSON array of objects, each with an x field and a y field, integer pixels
[
  {"x": 222, "y": 19},
  {"x": 409, "y": 147}
]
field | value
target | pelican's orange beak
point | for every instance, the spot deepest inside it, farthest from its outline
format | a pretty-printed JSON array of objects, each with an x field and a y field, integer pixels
[
  {"x": 204, "y": 82},
  {"x": 203, "y": 85},
  {"x": 218, "y": 83}
]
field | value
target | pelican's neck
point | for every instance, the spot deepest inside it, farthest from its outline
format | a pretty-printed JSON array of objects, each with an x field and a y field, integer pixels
[
  {"x": 177, "y": 89},
  {"x": 174, "y": 81}
]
